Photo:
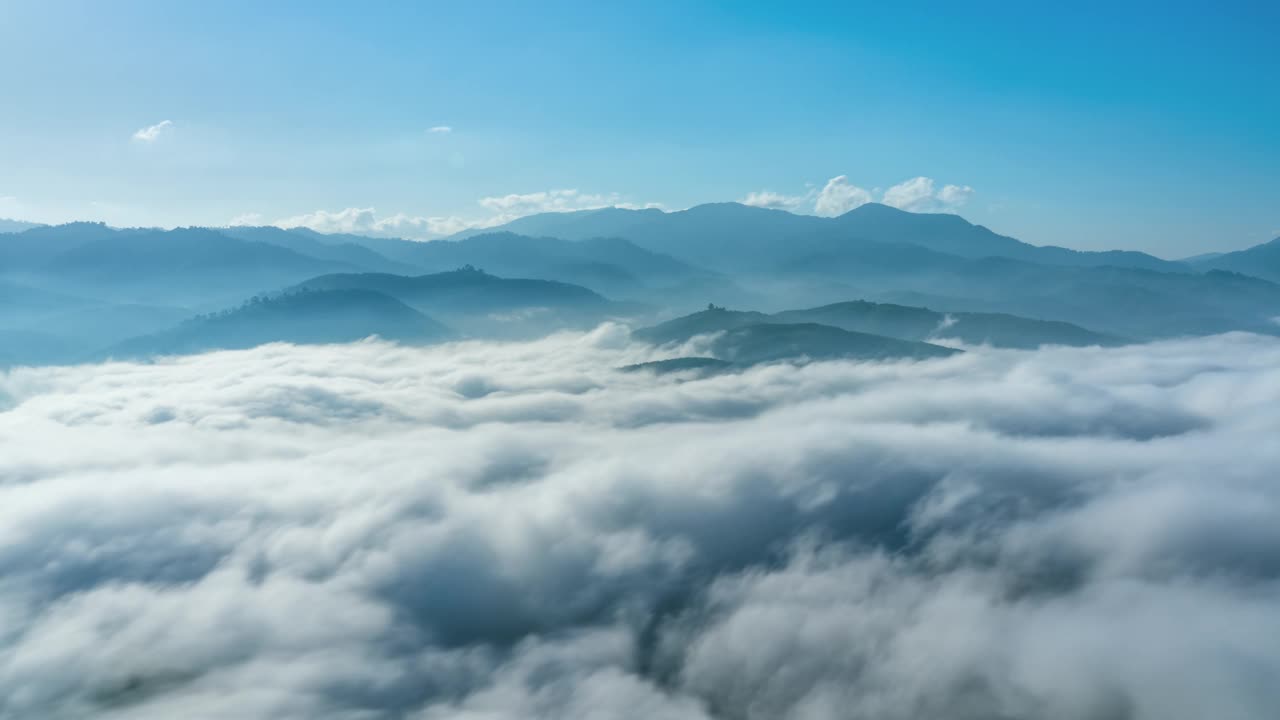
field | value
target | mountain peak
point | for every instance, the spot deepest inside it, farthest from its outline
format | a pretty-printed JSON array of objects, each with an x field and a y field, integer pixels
[
  {"x": 731, "y": 209},
  {"x": 873, "y": 209},
  {"x": 878, "y": 211},
  {"x": 15, "y": 226}
]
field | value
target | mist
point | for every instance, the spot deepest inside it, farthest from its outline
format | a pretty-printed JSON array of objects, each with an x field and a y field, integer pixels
[{"x": 488, "y": 530}]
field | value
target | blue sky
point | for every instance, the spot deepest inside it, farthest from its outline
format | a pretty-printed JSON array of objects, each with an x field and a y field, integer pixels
[{"x": 1153, "y": 126}]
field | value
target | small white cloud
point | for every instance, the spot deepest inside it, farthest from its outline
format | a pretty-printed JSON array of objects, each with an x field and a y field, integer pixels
[
  {"x": 915, "y": 194},
  {"x": 568, "y": 200},
  {"x": 364, "y": 221},
  {"x": 504, "y": 209},
  {"x": 150, "y": 134},
  {"x": 774, "y": 201},
  {"x": 441, "y": 129},
  {"x": 839, "y": 196},
  {"x": 955, "y": 195},
  {"x": 918, "y": 195}
]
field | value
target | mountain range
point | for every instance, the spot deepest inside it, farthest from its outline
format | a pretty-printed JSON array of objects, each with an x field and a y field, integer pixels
[
  {"x": 881, "y": 253},
  {"x": 71, "y": 290},
  {"x": 305, "y": 317},
  {"x": 14, "y": 226},
  {"x": 486, "y": 305},
  {"x": 732, "y": 236},
  {"x": 902, "y": 322},
  {"x": 1260, "y": 260},
  {"x": 769, "y": 342}
]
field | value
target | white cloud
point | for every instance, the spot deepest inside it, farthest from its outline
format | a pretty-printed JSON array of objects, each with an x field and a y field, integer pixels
[
  {"x": 519, "y": 531},
  {"x": 150, "y": 134},
  {"x": 918, "y": 195},
  {"x": 839, "y": 196},
  {"x": 506, "y": 208},
  {"x": 502, "y": 209},
  {"x": 836, "y": 197},
  {"x": 775, "y": 201},
  {"x": 441, "y": 129},
  {"x": 365, "y": 221},
  {"x": 915, "y": 194},
  {"x": 954, "y": 196},
  {"x": 521, "y": 204}
]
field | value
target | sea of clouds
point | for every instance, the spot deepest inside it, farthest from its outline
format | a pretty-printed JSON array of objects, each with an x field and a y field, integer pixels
[{"x": 495, "y": 531}]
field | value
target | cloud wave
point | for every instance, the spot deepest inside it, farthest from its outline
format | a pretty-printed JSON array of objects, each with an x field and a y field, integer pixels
[{"x": 485, "y": 530}]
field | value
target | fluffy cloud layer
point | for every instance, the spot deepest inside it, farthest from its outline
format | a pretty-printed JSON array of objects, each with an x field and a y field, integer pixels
[{"x": 511, "y": 531}]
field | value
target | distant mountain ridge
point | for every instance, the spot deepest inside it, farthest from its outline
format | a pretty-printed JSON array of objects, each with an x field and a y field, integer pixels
[
  {"x": 613, "y": 266},
  {"x": 352, "y": 254},
  {"x": 347, "y": 307},
  {"x": 711, "y": 320},
  {"x": 70, "y": 289},
  {"x": 882, "y": 253},
  {"x": 464, "y": 290},
  {"x": 1260, "y": 261},
  {"x": 16, "y": 226},
  {"x": 180, "y": 266},
  {"x": 916, "y": 323},
  {"x": 743, "y": 338},
  {"x": 769, "y": 342},
  {"x": 731, "y": 236},
  {"x": 857, "y": 330},
  {"x": 306, "y": 317},
  {"x": 487, "y": 305},
  {"x": 900, "y": 322}
]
